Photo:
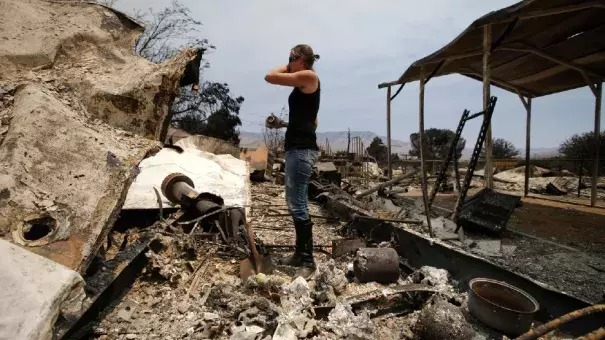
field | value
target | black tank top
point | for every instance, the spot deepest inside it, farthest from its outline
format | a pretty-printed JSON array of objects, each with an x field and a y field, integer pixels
[{"x": 301, "y": 124}]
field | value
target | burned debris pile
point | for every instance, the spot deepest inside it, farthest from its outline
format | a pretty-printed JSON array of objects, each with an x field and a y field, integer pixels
[{"x": 105, "y": 234}]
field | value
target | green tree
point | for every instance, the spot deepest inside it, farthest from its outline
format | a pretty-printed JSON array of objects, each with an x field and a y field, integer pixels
[
  {"x": 582, "y": 146},
  {"x": 436, "y": 143},
  {"x": 378, "y": 150},
  {"x": 502, "y": 149}
]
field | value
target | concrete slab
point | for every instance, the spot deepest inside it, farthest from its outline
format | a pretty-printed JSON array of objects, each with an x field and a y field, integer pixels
[{"x": 33, "y": 289}]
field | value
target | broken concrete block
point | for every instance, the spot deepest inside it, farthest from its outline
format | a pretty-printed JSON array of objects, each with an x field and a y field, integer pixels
[
  {"x": 508, "y": 249},
  {"x": 33, "y": 289},
  {"x": 487, "y": 247}
]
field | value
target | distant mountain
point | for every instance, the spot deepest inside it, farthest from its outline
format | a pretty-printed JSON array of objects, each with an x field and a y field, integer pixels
[
  {"x": 535, "y": 153},
  {"x": 337, "y": 140}
]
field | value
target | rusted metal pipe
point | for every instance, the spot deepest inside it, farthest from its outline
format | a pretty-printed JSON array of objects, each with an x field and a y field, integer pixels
[
  {"x": 598, "y": 334},
  {"x": 556, "y": 323},
  {"x": 376, "y": 264}
]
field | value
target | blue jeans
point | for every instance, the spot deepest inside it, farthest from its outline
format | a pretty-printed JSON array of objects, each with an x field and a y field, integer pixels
[{"x": 299, "y": 166}]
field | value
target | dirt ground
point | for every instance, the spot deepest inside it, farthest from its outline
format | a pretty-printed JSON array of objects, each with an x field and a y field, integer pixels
[
  {"x": 556, "y": 243},
  {"x": 569, "y": 224}
]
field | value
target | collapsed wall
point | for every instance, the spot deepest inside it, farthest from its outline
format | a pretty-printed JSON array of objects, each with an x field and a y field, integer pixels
[
  {"x": 78, "y": 113},
  {"x": 87, "y": 50}
]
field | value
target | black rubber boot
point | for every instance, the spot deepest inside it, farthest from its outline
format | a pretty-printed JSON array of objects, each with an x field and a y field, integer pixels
[
  {"x": 303, "y": 253},
  {"x": 295, "y": 259},
  {"x": 306, "y": 251}
]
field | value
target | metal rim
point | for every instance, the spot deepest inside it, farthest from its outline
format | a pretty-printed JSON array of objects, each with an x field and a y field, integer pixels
[
  {"x": 504, "y": 284},
  {"x": 169, "y": 181}
]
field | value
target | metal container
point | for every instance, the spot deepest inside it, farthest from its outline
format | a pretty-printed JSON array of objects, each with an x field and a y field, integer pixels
[
  {"x": 501, "y": 306},
  {"x": 376, "y": 264}
]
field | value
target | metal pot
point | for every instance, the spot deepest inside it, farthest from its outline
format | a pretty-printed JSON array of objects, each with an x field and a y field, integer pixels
[{"x": 501, "y": 306}]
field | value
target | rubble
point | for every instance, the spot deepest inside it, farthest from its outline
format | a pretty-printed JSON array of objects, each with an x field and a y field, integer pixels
[
  {"x": 81, "y": 120},
  {"x": 79, "y": 113},
  {"x": 443, "y": 321}
]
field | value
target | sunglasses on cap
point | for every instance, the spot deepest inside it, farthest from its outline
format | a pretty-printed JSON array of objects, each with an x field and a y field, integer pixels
[{"x": 293, "y": 58}]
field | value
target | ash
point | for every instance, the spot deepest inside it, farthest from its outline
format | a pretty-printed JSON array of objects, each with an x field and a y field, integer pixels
[{"x": 191, "y": 289}]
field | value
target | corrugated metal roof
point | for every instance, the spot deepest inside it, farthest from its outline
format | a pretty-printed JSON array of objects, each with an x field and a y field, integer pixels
[{"x": 572, "y": 31}]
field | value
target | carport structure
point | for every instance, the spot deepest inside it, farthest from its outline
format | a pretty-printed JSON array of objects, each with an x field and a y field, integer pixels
[{"x": 533, "y": 48}]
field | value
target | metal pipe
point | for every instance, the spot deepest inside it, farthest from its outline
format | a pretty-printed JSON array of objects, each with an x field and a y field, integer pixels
[
  {"x": 176, "y": 187},
  {"x": 597, "y": 334},
  {"x": 387, "y": 183},
  {"x": 556, "y": 323}
]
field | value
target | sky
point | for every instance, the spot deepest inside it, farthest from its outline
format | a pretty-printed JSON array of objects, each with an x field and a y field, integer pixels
[{"x": 363, "y": 43}]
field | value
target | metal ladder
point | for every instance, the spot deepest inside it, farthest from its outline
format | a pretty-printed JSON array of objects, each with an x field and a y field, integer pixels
[
  {"x": 487, "y": 118},
  {"x": 466, "y": 116},
  {"x": 451, "y": 154}
]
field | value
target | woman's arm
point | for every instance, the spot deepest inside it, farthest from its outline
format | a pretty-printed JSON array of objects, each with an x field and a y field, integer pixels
[{"x": 281, "y": 76}]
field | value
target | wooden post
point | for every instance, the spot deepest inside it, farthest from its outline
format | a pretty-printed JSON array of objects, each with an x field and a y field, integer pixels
[
  {"x": 422, "y": 165},
  {"x": 580, "y": 176},
  {"x": 487, "y": 46},
  {"x": 597, "y": 136},
  {"x": 527, "y": 105},
  {"x": 389, "y": 165}
]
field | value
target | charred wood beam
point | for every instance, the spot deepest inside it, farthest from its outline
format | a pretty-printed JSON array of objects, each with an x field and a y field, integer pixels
[
  {"x": 387, "y": 183},
  {"x": 597, "y": 132},
  {"x": 423, "y": 184},
  {"x": 356, "y": 216},
  {"x": 527, "y": 104}
]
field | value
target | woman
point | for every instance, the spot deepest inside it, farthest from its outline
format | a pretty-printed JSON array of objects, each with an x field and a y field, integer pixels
[{"x": 301, "y": 147}]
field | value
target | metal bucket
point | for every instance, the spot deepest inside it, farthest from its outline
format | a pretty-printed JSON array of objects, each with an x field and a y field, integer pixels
[{"x": 501, "y": 306}]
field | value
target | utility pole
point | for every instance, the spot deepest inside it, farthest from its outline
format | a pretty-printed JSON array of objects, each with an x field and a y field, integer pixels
[{"x": 348, "y": 141}]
